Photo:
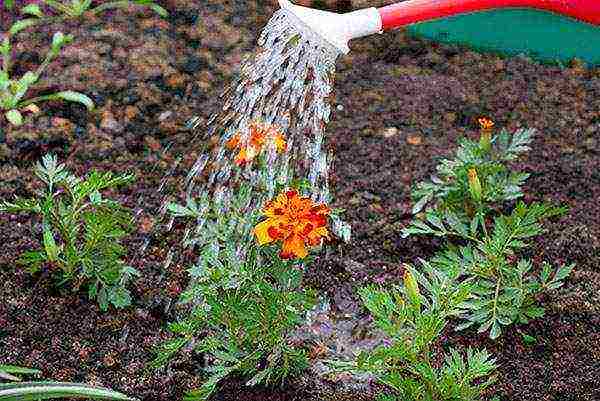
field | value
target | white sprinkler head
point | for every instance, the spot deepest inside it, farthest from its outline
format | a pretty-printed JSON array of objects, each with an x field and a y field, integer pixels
[{"x": 337, "y": 29}]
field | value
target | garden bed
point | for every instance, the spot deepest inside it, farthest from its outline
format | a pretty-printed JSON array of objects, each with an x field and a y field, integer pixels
[{"x": 399, "y": 104}]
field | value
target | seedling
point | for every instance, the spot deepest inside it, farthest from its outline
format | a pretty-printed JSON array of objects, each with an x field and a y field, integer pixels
[
  {"x": 413, "y": 317},
  {"x": 63, "y": 9},
  {"x": 13, "y": 91},
  {"x": 82, "y": 231},
  {"x": 465, "y": 207}
]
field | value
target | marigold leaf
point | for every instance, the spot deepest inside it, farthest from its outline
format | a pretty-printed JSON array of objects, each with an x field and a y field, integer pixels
[
  {"x": 14, "y": 117},
  {"x": 159, "y": 10},
  {"x": 495, "y": 331},
  {"x": 76, "y": 97},
  {"x": 563, "y": 272},
  {"x": 417, "y": 207},
  {"x": 21, "y": 25},
  {"x": 50, "y": 244},
  {"x": 33, "y": 9}
]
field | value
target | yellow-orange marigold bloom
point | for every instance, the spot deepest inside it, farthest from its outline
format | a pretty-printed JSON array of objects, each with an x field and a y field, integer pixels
[
  {"x": 297, "y": 221},
  {"x": 260, "y": 133},
  {"x": 485, "y": 123}
]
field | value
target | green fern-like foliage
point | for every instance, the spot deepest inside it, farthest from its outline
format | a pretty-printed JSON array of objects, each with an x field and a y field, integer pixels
[
  {"x": 449, "y": 188},
  {"x": 413, "y": 316},
  {"x": 82, "y": 231},
  {"x": 244, "y": 300},
  {"x": 464, "y": 204},
  {"x": 57, "y": 10}
]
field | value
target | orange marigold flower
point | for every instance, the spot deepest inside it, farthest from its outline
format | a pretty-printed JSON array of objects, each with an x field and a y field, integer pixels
[
  {"x": 260, "y": 133},
  {"x": 234, "y": 142},
  {"x": 294, "y": 220},
  {"x": 485, "y": 123}
]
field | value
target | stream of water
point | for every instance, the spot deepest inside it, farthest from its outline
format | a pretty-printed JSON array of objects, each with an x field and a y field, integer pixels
[
  {"x": 286, "y": 85},
  {"x": 282, "y": 91}
]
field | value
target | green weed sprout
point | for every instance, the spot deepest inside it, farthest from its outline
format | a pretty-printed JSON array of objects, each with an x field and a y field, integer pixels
[
  {"x": 465, "y": 206},
  {"x": 413, "y": 316},
  {"x": 44, "y": 390},
  {"x": 82, "y": 231},
  {"x": 77, "y": 8},
  {"x": 13, "y": 91}
]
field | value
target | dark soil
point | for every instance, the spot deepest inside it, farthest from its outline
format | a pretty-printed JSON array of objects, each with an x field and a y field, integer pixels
[{"x": 400, "y": 104}]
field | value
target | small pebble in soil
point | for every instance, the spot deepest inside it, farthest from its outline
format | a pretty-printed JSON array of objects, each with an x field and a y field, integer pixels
[
  {"x": 389, "y": 132},
  {"x": 110, "y": 123},
  {"x": 194, "y": 64},
  {"x": 165, "y": 115}
]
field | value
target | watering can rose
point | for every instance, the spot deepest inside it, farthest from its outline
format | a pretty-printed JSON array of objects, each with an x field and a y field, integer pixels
[
  {"x": 296, "y": 221},
  {"x": 260, "y": 134}
]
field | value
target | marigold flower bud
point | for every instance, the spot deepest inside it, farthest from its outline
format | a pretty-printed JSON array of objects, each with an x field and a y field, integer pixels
[
  {"x": 474, "y": 185},
  {"x": 412, "y": 288},
  {"x": 485, "y": 141}
]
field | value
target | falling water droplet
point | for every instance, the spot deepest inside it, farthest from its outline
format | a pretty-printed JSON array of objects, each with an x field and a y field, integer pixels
[{"x": 285, "y": 86}]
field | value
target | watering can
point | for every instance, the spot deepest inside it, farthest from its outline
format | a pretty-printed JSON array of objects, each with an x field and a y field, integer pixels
[{"x": 549, "y": 31}]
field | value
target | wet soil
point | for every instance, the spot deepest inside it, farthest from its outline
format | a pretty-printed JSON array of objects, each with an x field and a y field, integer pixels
[{"x": 400, "y": 104}]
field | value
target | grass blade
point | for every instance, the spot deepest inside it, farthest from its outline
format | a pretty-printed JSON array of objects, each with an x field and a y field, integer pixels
[{"x": 32, "y": 391}]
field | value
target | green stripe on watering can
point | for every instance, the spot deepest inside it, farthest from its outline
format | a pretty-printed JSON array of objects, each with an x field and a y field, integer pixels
[{"x": 544, "y": 36}]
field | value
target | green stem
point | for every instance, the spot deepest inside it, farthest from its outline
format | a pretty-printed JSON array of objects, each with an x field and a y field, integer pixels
[
  {"x": 109, "y": 5},
  {"x": 58, "y": 6},
  {"x": 6, "y": 59},
  {"x": 44, "y": 65},
  {"x": 496, "y": 295},
  {"x": 469, "y": 237},
  {"x": 482, "y": 222}
]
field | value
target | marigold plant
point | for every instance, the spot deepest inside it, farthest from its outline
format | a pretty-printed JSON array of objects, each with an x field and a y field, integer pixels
[
  {"x": 245, "y": 294},
  {"x": 246, "y": 299},
  {"x": 413, "y": 316},
  {"x": 82, "y": 231},
  {"x": 296, "y": 221},
  {"x": 465, "y": 205}
]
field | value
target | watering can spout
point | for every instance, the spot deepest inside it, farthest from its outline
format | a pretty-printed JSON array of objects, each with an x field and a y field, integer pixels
[
  {"x": 580, "y": 17},
  {"x": 337, "y": 29}
]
